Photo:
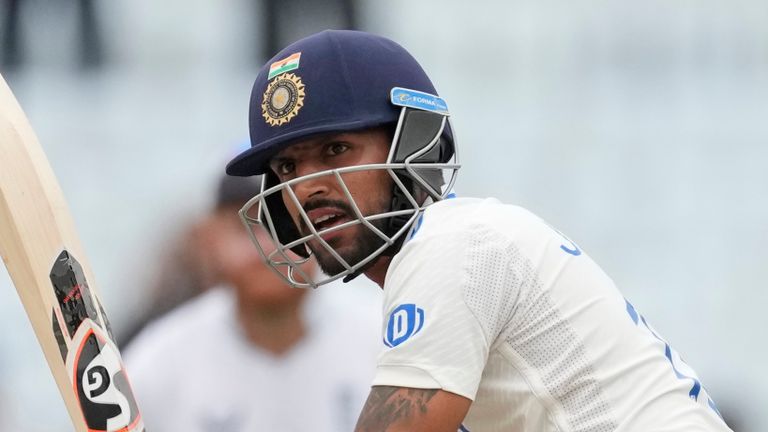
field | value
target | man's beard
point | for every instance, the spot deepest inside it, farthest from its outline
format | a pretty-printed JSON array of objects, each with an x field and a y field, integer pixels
[{"x": 365, "y": 241}]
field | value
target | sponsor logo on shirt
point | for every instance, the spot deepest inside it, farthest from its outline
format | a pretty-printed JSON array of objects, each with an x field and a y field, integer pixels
[{"x": 405, "y": 321}]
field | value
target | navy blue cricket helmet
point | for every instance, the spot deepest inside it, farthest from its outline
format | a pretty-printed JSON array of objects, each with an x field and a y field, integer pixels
[{"x": 332, "y": 81}]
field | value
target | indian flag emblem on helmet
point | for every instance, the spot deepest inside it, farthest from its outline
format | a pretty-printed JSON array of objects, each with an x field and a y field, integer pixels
[
  {"x": 282, "y": 100},
  {"x": 281, "y": 66}
]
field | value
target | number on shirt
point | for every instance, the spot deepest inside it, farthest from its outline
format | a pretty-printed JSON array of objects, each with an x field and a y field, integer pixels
[{"x": 679, "y": 367}]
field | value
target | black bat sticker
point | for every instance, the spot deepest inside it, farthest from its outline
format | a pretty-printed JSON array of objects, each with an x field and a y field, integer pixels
[{"x": 72, "y": 292}]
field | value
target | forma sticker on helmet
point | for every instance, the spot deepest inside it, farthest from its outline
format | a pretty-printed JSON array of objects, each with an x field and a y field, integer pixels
[
  {"x": 283, "y": 99},
  {"x": 419, "y": 100}
]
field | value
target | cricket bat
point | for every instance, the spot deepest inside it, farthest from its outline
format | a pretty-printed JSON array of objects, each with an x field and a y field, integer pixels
[{"x": 45, "y": 260}]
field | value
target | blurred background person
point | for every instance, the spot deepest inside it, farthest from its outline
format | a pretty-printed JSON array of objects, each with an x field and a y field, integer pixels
[
  {"x": 251, "y": 353},
  {"x": 181, "y": 274}
]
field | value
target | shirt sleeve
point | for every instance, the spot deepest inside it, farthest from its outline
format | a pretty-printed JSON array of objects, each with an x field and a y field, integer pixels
[{"x": 435, "y": 334}]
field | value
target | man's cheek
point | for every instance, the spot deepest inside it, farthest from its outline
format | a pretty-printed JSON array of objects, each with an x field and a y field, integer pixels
[{"x": 293, "y": 212}]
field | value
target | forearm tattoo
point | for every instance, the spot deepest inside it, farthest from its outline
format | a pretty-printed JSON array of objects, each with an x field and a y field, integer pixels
[{"x": 388, "y": 405}]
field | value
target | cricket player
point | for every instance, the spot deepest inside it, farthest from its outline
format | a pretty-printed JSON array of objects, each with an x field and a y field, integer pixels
[{"x": 493, "y": 320}]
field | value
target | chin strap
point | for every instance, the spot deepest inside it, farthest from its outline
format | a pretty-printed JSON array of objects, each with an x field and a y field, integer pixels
[{"x": 357, "y": 273}]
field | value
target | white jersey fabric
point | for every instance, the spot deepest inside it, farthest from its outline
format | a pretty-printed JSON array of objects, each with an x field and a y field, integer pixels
[
  {"x": 194, "y": 371},
  {"x": 487, "y": 301}
]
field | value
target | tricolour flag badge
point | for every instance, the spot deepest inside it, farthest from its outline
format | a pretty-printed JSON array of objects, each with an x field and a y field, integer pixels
[{"x": 287, "y": 64}]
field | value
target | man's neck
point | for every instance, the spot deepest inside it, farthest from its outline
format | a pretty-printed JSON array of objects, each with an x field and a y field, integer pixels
[{"x": 378, "y": 271}]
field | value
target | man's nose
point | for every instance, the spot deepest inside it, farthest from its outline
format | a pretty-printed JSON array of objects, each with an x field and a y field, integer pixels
[{"x": 314, "y": 187}]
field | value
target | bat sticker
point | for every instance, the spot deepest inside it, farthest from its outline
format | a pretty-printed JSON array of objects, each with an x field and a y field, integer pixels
[
  {"x": 100, "y": 383},
  {"x": 72, "y": 292}
]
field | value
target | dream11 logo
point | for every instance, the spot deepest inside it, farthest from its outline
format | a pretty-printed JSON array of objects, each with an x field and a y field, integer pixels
[{"x": 405, "y": 321}]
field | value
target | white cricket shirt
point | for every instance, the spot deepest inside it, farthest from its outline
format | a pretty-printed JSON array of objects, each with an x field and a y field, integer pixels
[{"x": 489, "y": 302}]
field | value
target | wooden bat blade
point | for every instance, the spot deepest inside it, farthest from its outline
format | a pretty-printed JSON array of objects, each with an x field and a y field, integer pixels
[{"x": 43, "y": 255}]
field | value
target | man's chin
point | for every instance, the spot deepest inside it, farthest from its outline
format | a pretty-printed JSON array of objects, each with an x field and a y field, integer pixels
[
  {"x": 328, "y": 263},
  {"x": 353, "y": 245}
]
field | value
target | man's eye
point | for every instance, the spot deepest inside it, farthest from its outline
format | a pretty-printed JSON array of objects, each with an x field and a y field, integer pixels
[
  {"x": 285, "y": 168},
  {"x": 336, "y": 148}
]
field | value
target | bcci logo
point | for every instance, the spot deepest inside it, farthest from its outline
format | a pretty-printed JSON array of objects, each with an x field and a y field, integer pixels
[
  {"x": 405, "y": 321},
  {"x": 283, "y": 99}
]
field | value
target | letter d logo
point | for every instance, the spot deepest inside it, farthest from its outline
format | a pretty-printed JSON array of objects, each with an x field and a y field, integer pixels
[{"x": 405, "y": 321}]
